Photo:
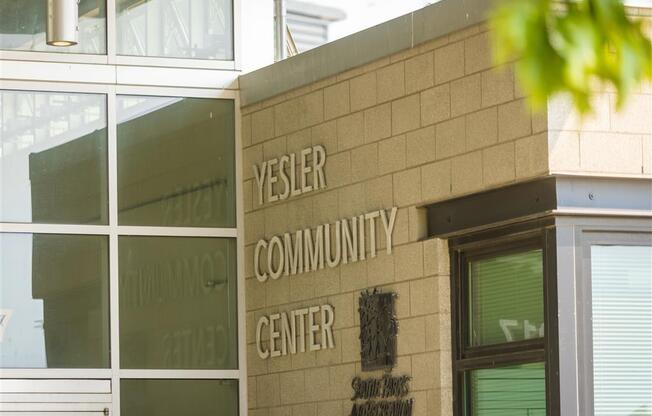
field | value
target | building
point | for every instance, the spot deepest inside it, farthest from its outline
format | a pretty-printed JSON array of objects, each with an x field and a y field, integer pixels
[
  {"x": 378, "y": 224},
  {"x": 308, "y": 23}
]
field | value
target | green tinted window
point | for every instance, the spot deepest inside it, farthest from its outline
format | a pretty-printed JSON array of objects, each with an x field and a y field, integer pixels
[
  {"x": 53, "y": 157},
  {"x": 176, "y": 161},
  {"x": 506, "y": 298},
  {"x": 518, "y": 390},
  {"x": 54, "y": 301},
  {"x": 179, "y": 397},
  {"x": 178, "y": 303},
  {"x": 23, "y": 22}
]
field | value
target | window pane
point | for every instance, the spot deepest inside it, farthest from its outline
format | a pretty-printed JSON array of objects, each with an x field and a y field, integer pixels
[
  {"x": 176, "y": 161},
  {"x": 506, "y": 298},
  {"x": 621, "y": 283},
  {"x": 198, "y": 29},
  {"x": 179, "y": 397},
  {"x": 54, "y": 301},
  {"x": 178, "y": 303},
  {"x": 23, "y": 23},
  {"x": 53, "y": 157},
  {"x": 518, "y": 390}
]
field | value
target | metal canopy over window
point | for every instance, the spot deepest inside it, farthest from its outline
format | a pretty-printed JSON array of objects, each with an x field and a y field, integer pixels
[{"x": 588, "y": 240}]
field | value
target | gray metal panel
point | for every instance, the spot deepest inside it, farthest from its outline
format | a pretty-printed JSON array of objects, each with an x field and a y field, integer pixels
[
  {"x": 360, "y": 48},
  {"x": 566, "y": 321},
  {"x": 444, "y": 17},
  {"x": 604, "y": 193}
]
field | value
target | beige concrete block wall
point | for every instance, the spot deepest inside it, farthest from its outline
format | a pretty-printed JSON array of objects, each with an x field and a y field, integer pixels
[
  {"x": 610, "y": 141},
  {"x": 431, "y": 123}
]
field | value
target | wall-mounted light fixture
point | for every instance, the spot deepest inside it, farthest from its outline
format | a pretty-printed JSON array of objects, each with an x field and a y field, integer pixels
[{"x": 62, "y": 27}]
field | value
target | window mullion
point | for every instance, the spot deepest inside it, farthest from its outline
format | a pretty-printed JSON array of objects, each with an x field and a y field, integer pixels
[
  {"x": 504, "y": 348},
  {"x": 501, "y": 359},
  {"x": 113, "y": 248}
]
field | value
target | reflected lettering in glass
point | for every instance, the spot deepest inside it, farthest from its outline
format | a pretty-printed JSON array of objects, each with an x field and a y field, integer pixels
[
  {"x": 178, "y": 303},
  {"x": 54, "y": 301},
  {"x": 176, "y": 161}
]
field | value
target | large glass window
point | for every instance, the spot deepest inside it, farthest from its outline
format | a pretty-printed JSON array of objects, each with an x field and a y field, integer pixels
[
  {"x": 621, "y": 293},
  {"x": 109, "y": 294},
  {"x": 53, "y": 157},
  {"x": 23, "y": 25},
  {"x": 506, "y": 298},
  {"x": 198, "y": 29},
  {"x": 499, "y": 315},
  {"x": 179, "y": 397},
  {"x": 54, "y": 301},
  {"x": 178, "y": 303},
  {"x": 176, "y": 161},
  {"x": 518, "y": 390}
]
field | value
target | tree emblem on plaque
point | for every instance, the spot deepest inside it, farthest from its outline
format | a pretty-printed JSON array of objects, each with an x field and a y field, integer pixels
[{"x": 378, "y": 329}]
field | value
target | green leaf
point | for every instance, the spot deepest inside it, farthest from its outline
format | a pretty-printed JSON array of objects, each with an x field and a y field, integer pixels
[{"x": 569, "y": 50}]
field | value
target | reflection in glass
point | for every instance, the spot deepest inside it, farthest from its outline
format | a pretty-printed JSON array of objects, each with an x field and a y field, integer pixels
[
  {"x": 53, "y": 157},
  {"x": 54, "y": 301},
  {"x": 23, "y": 22},
  {"x": 518, "y": 390},
  {"x": 176, "y": 161},
  {"x": 198, "y": 29},
  {"x": 178, "y": 303},
  {"x": 179, "y": 397},
  {"x": 506, "y": 298},
  {"x": 621, "y": 283}
]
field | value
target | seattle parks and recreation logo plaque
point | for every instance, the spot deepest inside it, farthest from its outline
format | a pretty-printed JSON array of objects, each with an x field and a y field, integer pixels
[
  {"x": 385, "y": 395},
  {"x": 378, "y": 329}
]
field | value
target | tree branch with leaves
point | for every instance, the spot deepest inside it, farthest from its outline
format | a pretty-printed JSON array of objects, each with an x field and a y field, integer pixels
[{"x": 570, "y": 47}]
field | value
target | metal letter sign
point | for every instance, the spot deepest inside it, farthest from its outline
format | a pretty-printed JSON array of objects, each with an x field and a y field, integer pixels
[{"x": 378, "y": 328}]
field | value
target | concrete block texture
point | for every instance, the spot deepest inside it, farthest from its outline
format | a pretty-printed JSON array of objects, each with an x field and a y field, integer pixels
[
  {"x": 431, "y": 123},
  {"x": 336, "y": 100},
  {"x": 466, "y": 95},
  {"x": 406, "y": 114},
  {"x": 391, "y": 82},
  {"x": 419, "y": 73},
  {"x": 449, "y": 62},
  {"x": 363, "y": 91}
]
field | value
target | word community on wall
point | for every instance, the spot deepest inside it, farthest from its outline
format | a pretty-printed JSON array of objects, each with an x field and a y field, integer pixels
[{"x": 308, "y": 250}]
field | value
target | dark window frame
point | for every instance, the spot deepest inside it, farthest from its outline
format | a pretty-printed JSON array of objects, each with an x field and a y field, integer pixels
[{"x": 518, "y": 237}]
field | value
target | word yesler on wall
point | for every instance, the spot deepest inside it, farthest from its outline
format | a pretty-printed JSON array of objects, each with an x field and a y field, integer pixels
[{"x": 295, "y": 181}]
